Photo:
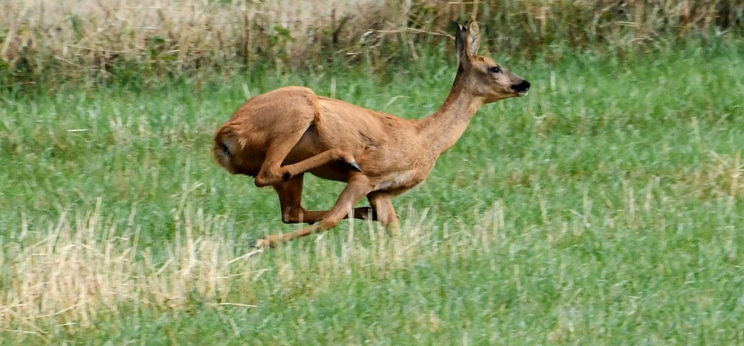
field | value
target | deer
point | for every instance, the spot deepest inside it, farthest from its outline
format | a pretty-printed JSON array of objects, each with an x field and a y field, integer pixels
[{"x": 278, "y": 136}]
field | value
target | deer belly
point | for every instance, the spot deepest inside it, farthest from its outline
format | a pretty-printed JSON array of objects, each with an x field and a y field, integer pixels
[
  {"x": 331, "y": 171},
  {"x": 398, "y": 180}
]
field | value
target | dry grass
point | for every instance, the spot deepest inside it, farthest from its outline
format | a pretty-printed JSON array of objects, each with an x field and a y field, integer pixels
[
  {"x": 92, "y": 36},
  {"x": 82, "y": 268},
  {"x": 720, "y": 176},
  {"x": 93, "y": 39}
]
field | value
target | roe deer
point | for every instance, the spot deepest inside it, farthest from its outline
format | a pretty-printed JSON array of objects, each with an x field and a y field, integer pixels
[{"x": 277, "y": 136}]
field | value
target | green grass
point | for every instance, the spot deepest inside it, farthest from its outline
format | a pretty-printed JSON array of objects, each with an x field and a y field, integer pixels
[{"x": 605, "y": 207}]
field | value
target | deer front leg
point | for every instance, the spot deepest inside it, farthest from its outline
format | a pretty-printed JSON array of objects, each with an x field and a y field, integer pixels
[
  {"x": 290, "y": 201},
  {"x": 357, "y": 187},
  {"x": 382, "y": 203}
]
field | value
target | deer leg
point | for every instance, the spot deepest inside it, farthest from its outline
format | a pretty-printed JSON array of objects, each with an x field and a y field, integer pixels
[
  {"x": 273, "y": 173},
  {"x": 290, "y": 200},
  {"x": 382, "y": 203},
  {"x": 321, "y": 159},
  {"x": 357, "y": 187}
]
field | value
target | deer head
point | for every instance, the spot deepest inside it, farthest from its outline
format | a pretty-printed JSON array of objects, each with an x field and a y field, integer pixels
[{"x": 482, "y": 76}]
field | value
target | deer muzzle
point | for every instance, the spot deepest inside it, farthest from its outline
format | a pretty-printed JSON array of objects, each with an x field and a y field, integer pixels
[{"x": 521, "y": 88}]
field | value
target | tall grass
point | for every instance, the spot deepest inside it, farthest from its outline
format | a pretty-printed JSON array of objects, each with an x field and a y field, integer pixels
[
  {"x": 64, "y": 277},
  {"x": 85, "y": 270},
  {"x": 42, "y": 40}
]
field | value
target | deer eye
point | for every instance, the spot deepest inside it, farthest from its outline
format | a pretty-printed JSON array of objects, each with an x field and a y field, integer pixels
[{"x": 494, "y": 69}]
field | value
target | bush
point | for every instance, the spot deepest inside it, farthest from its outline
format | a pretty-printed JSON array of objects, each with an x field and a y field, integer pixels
[{"x": 95, "y": 40}]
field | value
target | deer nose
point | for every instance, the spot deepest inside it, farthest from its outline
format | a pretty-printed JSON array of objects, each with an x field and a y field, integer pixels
[{"x": 524, "y": 85}]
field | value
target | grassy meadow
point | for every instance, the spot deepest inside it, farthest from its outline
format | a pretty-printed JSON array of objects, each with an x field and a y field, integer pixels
[{"x": 606, "y": 207}]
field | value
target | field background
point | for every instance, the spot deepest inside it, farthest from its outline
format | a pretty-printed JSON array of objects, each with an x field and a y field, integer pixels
[{"x": 605, "y": 207}]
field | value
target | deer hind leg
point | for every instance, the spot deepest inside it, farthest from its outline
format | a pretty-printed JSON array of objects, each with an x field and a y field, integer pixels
[
  {"x": 321, "y": 159},
  {"x": 272, "y": 173},
  {"x": 290, "y": 200},
  {"x": 357, "y": 187}
]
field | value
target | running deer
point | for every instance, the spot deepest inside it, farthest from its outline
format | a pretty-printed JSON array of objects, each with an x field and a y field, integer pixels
[{"x": 278, "y": 136}]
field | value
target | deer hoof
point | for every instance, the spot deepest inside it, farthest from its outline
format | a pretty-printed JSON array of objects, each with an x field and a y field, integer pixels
[
  {"x": 352, "y": 164},
  {"x": 268, "y": 242},
  {"x": 259, "y": 244}
]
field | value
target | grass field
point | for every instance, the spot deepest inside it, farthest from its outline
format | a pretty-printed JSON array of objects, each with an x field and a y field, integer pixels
[{"x": 607, "y": 207}]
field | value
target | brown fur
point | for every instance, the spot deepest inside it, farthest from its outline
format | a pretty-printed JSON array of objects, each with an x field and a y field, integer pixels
[{"x": 277, "y": 136}]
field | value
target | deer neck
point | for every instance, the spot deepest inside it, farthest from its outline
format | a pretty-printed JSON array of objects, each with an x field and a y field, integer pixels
[{"x": 445, "y": 127}]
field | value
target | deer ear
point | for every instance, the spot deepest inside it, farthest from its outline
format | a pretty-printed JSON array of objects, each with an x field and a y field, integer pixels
[
  {"x": 461, "y": 42},
  {"x": 473, "y": 38},
  {"x": 467, "y": 41}
]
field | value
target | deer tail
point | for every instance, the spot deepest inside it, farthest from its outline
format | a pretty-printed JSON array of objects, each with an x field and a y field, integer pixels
[{"x": 225, "y": 146}]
